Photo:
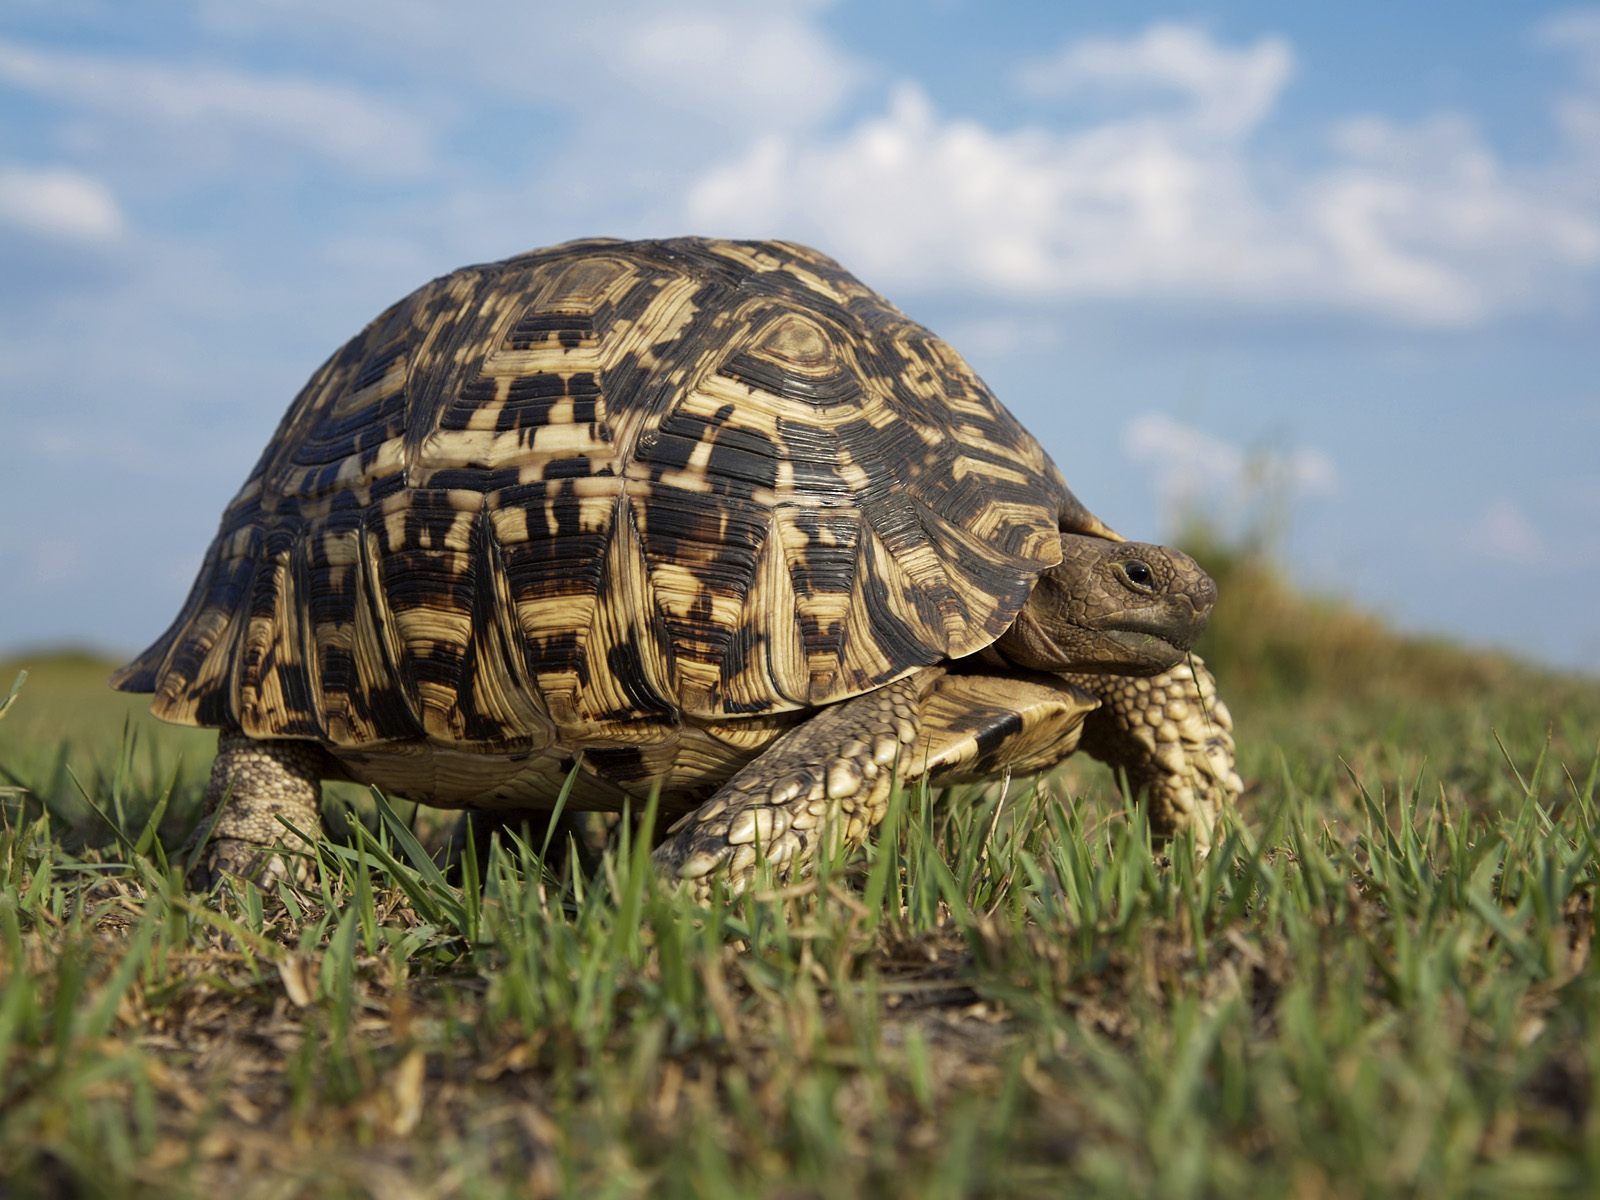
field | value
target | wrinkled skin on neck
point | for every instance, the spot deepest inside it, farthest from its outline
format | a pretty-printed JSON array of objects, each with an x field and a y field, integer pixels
[{"x": 1125, "y": 608}]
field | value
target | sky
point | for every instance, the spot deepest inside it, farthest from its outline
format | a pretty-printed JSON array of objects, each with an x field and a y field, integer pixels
[{"x": 1327, "y": 273}]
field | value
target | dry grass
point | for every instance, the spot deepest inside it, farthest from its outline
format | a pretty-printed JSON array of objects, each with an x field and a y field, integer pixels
[{"x": 1380, "y": 983}]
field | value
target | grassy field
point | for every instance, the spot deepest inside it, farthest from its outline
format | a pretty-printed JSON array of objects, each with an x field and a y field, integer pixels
[{"x": 1380, "y": 983}]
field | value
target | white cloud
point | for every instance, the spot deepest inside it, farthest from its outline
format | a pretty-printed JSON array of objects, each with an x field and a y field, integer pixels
[
  {"x": 58, "y": 202},
  {"x": 1577, "y": 31},
  {"x": 1227, "y": 90},
  {"x": 1577, "y": 35},
  {"x": 735, "y": 65},
  {"x": 1194, "y": 469},
  {"x": 912, "y": 198},
  {"x": 1422, "y": 224},
  {"x": 1428, "y": 220},
  {"x": 1504, "y": 532},
  {"x": 212, "y": 108},
  {"x": 761, "y": 65}
]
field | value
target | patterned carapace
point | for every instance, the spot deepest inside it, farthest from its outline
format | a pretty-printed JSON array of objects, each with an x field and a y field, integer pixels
[{"x": 593, "y": 494}]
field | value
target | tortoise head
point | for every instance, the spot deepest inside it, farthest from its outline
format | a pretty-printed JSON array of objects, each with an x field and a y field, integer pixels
[{"x": 1125, "y": 608}]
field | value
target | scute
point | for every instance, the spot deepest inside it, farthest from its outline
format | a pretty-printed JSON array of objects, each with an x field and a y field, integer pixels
[{"x": 592, "y": 491}]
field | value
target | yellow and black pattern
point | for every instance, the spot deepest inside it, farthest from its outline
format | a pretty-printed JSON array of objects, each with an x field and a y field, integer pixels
[{"x": 585, "y": 496}]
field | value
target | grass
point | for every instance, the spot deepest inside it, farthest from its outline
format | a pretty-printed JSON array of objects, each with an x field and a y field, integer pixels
[{"x": 1379, "y": 983}]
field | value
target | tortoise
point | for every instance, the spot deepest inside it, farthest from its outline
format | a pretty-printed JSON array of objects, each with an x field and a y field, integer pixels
[{"x": 705, "y": 518}]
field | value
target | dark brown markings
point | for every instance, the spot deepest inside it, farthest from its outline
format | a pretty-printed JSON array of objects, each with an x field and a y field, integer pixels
[
  {"x": 812, "y": 452},
  {"x": 451, "y": 316},
  {"x": 175, "y": 666},
  {"x": 828, "y": 562},
  {"x": 329, "y": 598},
  {"x": 867, "y": 357},
  {"x": 994, "y": 726},
  {"x": 627, "y": 669},
  {"x": 272, "y": 668},
  {"x": 742, "y": 459},
  {"x": 901, "y": 642},
  {"x": 473, "y": 479},
  {"x": 558, "y": 652},
  {"x": 619, "y": 764},
  {"x": 569, "y": 563},
  {"x": 336, "y": 438},
  {"x": 763, "y": 374},
  {"x": 488, "y": 662},
  {"x": 530, "y": 401},
  {"x": 570, "y": 329},
  {"x": 746, "y": 647}
]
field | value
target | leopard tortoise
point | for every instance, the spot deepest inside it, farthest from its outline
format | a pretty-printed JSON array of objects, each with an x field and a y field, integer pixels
[{"x": 702, "y": 516}]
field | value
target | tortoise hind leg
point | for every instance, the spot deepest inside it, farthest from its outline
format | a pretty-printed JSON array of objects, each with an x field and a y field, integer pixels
[
  {"x": 829, "y": 777},
  {"x": 1173, "y": 736},
  {"x": 257, "y": 782}
]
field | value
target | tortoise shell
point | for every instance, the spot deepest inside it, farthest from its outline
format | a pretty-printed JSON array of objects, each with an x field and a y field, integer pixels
[{"x": 611, "y": 486}]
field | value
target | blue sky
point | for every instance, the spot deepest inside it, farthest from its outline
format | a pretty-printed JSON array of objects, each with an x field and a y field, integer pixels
[{"x": 1339, "y": 264}]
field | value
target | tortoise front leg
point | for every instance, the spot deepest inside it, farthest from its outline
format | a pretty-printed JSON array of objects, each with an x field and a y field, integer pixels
[
  {"x": 257, "y": 782},
  {"x": 828, "y": 778},
  {"x": 1173, "y": 736}
]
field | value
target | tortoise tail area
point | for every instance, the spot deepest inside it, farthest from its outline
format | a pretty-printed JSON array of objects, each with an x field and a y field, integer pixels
[
  {"x": 282, "y": 636},
  {"x": 358, "y": 627},
  {"x": 189, "y": 667}
]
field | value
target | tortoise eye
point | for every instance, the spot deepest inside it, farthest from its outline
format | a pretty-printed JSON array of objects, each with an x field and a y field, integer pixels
[{"x": 1139, "y": 575}]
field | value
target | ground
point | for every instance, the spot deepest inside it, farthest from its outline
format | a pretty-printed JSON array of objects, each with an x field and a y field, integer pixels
[{"x": 1379, "y": 983}]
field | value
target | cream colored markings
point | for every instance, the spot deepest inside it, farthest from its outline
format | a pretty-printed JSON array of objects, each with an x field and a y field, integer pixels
[
  {"x": 454, "y": 318},
  {"x": 1174, "y": 736},
  {"x": 917, "y": 565},
  {"x": 374, "y": 707},
  {"x": 552, "y": 609},
  {"x": 427, "y": 562},
  {"x": 506, "y": 708},
  {"x": 555, "y": 538},
  {"x": 880, "y": 627},
  {"x": 195, "y": 668},
  {"x": 729, "y": 414},
  {"x": 334, "y": 416},
  {"x": 551, "y": 617},
  {"x": 827, "y": 779},
  {"x": 312, "y": 485},
  {"x": 382, "y": 635},
  {"x": 335, "y": 682},
  {"x": 625, "y": 698},
  {"x": 814, "y": 271},
  {"x": 531, "y": 447},
  {"x": 449, "y": 323},
  {"x": 312, "y": 496},
  {"x": 568, "y": 331},
  {"x": 766, "y": 659},
  {"x": 682, "y": 543},
  {"x": 941, "y": 619},
  {"x": 273, "y": 695},
  {"x": 991, "y": 485},
  {"x": 822, "y": 609},
  {"x": 970, "y": 566},
  {"x": 978, "y": 726},
  {"x": 526, "y": 342}
]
